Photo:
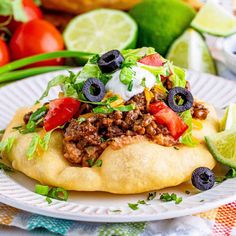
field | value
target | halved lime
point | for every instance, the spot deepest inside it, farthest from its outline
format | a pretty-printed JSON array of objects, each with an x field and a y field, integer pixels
[
  {"x": 100, "y": 31},
  {"x": 229, "y": 120},
  {"x": 190, "y": 51},
  {"x": 214, "y": 19},
  {"x": 223, "y": 147}
]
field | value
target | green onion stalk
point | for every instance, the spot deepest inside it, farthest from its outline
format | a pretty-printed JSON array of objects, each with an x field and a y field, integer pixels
[{"x": 8, "y": 73}]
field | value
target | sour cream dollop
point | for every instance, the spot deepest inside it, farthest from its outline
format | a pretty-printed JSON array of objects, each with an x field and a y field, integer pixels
[{"x": 117, "y": 87}]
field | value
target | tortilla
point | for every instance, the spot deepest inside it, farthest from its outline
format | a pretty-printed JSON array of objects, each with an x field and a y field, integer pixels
[{"x": 138, "y": 167}]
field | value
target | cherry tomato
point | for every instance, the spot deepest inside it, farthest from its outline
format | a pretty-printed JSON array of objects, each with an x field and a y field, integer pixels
[
  {"x": 31, "y": 10},
  {"x": 167, "y": 117},
  {"x": 152, "y": 60},
  {"x": 36, "y": 37},
  {"x": 4, "y": 53},
  {"x": 61, "y": 110}
]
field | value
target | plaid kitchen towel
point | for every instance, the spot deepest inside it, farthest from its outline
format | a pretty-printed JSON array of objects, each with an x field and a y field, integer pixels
[{"x": 217, "y": 222}]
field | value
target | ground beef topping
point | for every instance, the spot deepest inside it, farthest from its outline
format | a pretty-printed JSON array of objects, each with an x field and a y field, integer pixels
[{"x": 87, "y": 140}]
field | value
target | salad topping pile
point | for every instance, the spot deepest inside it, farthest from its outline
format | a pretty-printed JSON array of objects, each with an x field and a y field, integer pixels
[{"x": 116, "y": 98}]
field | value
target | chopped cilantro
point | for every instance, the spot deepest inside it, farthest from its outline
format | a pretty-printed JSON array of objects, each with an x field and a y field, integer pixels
[
  {"x": 133, "y": 206},
  {"x": 81, "y": 120},
  {"x": 151, "y": 196},
  {"x": 130, "y": 86},
  {"x": 115, "y": 210},
  {"x": 143, "y": 83},
  {"x": 49, "y": 200},
  {"x": 142, "y": 202},
  {"x": 166, "y": 197},
  {"x": 97, "y": 163},
  {"x": 229, "y": 175},
  {"x": 103, "y": 140}
]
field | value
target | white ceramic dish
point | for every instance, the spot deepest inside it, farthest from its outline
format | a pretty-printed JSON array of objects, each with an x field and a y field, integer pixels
[{"x": 17, "y": 190}]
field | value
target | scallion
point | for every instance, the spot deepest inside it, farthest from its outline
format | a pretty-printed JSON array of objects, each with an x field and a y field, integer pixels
[{"x": 41, "y": 189}]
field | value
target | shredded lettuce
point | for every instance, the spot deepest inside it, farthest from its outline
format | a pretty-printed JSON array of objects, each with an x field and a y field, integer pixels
[
  {"x": 187, "y": 137},
  {"x": 6, "y": 145},
  {"x": 179, "y": 77},
  {"x": 37, "y": 141},
  {"x": 138, "y": 53}
]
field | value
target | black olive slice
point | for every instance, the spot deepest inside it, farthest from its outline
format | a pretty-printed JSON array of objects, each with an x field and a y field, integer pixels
[
  {"x": 110, "y": 61},
  {"x": 184, "y": 94},
  {"x": 94, "y": 90}
]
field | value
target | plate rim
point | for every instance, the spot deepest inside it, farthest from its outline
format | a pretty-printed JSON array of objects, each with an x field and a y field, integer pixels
[{"x": 110, "y": 217}]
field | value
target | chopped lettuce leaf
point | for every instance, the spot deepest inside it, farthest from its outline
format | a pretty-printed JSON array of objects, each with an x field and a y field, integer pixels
[
  {"x": 138, "y": 53},
  {"x": 187, "y": 137},
  {"x": 45, "y": 141},
  {"x": 33, "y": 146},
  {"x": 178, "y": 78},
  {"x": 7, "y": 144},
  {"x": 156, "y": 70}
]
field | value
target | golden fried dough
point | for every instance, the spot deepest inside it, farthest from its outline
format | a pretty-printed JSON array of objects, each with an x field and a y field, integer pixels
[{"x": 138, "y": 167}]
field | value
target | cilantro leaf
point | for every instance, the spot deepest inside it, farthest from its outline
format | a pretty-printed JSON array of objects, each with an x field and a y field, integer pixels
[
  {"x": 133, "y": 206},
  {"x": 166, "y": 197}
]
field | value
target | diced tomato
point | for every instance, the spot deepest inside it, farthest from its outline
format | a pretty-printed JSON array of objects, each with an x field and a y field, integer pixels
[
  {"x": 167, "y": 117},
  {"x": 156, "y": 107},
  {"x": 61, "y": 110},
  {"x": 152, "y": 60}
]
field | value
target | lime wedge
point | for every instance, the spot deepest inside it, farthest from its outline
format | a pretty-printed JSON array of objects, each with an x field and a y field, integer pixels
[
  {"x": 223, "y": 147},
  {"x": 214, "y": 19},
  {"x": 100, "y": 31},
  {"x": 190, "y": 51},
  {"x": 229, "y": 120}
]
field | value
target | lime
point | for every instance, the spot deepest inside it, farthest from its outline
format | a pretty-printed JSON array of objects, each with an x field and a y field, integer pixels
[
  {"x": 229, "y": 120},
  {"x": 161, "y": 22},
  {"x": 190, "y": 51},
  {"x": 223, "y": 147},
  {"x": 215, "y": 20},
  {"x": 100, "y": 31}
]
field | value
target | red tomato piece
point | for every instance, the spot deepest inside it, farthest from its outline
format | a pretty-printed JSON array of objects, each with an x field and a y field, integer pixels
[
  {"x": 167, "y": 117},
  {"x": 36, "y": 37},
  {"x": 61, "y": 110},
  {"x": 4, "y": 53},
  {"x": 152, "y": 60},
  {"x": 156, "y": 107}
]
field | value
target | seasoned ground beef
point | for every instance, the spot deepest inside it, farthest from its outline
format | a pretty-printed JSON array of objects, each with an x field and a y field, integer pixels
[
  {"x": 199, "y": 111},
  {"x": 86, "y": 141}
]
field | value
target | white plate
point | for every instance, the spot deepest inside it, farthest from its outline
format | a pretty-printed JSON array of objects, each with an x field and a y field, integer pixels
[{"x": 17, "y": 190}]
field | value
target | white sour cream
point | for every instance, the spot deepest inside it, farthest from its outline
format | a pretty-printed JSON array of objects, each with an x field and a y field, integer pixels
[{"x": 117, "y": 87}]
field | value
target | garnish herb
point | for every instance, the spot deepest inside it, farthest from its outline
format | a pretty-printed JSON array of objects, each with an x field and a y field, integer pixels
[
  {"x": 166, "y": 197},
  {"x": 142, "y": 202},
  {"x": 151, "y": 196},
  {"x": 115, "y": 210},
  {"x": 176, "y": 148},
  {"x": 5, "y": 167},
  {"x": 130, "y": 86},
  {"x": 133, "y": 206},
  {"x": 49, "y": 200},
  {"x": 81, "y": 120},
  {"x": 143, "y": 83},
  {"x": 126, "y": 75},
  {"x": 41, "y": 189},
  {"x": 34, "y": 120},
  {"x": 7, "y": 144},
  {"x": 229, "y": 175},
  {"x": 56, "y": 193},
  {"x": 97, "y": 163},
  {"x": 35, "y": 141}
]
